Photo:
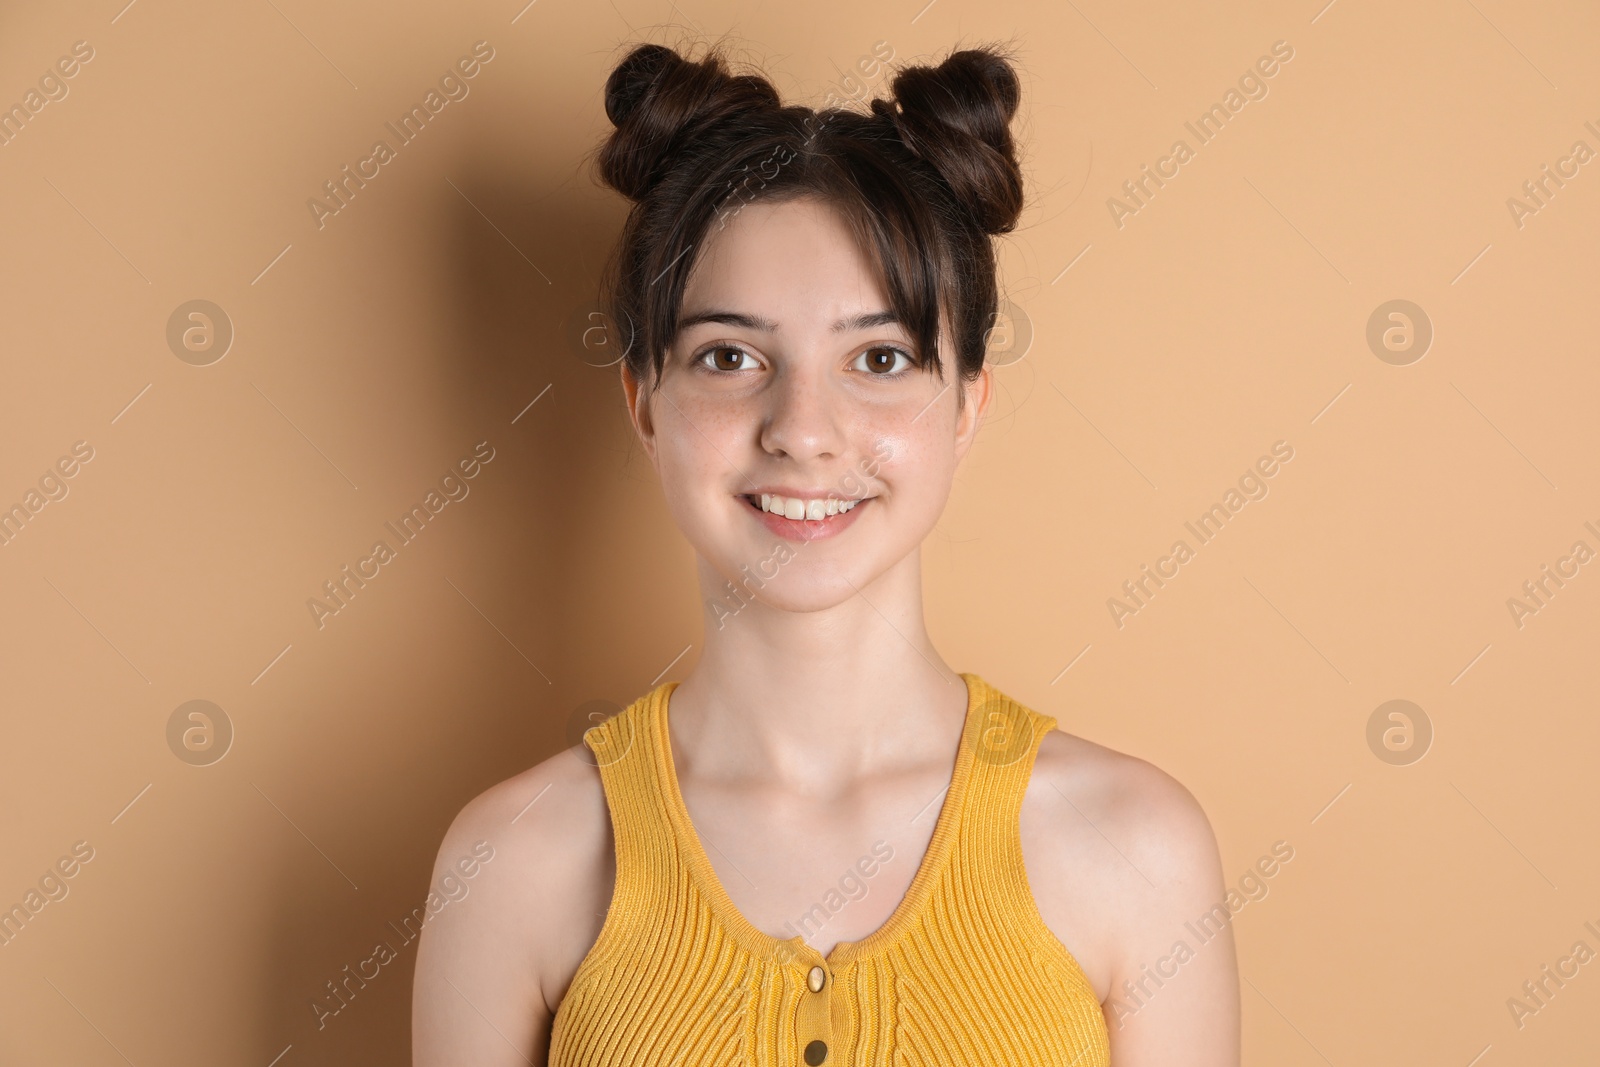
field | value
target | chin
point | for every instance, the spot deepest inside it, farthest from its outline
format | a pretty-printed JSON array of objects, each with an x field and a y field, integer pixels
[
  {"x": 807, "y": 595},
  {"x": 802, "y": 582}
]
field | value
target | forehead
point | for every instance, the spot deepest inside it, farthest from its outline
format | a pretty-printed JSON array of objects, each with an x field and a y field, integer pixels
[{"x": 795, "y": 262}]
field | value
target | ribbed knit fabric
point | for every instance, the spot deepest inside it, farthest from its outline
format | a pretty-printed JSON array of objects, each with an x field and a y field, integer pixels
[{"x": 963, "y": 974}]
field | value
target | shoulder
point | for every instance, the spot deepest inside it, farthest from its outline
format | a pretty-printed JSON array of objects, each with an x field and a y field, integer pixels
[
  {"x": 510, "y": 938},
  {"x": 550, "y": 830},
  {"x": 1151, "y": 812},
  {"x": 1119, "y": 853},
  {"x": 529, "y": 811}
]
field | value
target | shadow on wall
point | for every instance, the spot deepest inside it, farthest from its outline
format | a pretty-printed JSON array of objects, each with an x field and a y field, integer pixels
[{"x": 525, "y": 612}]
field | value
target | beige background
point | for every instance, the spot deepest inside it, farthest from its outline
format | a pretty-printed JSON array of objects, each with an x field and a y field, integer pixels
[{"x": 1228, "y": 313}]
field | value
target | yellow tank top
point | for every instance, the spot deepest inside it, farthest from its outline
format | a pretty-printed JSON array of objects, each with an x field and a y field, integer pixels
[{"x": 964, "y": 972}]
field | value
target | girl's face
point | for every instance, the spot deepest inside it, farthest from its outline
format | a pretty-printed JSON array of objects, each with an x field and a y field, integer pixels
[{"x": 790, "y": 378}]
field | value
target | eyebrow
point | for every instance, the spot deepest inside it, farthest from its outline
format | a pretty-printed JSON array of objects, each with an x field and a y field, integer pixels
[{"x": 864, "y": 321}]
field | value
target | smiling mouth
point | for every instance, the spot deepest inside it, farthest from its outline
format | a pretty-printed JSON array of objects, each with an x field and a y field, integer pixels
[{"x": 818, "y": 509}]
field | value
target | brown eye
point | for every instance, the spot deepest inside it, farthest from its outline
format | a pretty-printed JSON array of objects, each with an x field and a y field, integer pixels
[
  {"x": 725, "y": 358},
  {"x": 881, "y": 361}
]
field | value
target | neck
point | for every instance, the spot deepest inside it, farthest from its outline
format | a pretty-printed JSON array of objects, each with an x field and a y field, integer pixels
[{"x": 817, "y": 699}]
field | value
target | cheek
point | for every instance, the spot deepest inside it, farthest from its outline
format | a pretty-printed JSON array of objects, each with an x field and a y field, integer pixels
[
  {"x": 920, "y": 465},
  {"x": 696, "y": 444}
]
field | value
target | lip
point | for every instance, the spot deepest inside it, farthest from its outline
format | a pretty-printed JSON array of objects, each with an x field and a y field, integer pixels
[{"x": 803, "y": 529}]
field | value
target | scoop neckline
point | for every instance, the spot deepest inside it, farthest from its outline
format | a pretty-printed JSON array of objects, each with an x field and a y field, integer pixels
[{"x": 752, "y": 937}]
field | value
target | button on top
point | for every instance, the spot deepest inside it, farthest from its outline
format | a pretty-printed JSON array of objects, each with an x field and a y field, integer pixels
[
  {"x": 816, "y": 1052},
  {"x": 815, "y": 980}
]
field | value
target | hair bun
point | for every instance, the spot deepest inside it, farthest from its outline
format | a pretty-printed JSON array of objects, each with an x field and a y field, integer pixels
[
  {"x": 658, "y": 101},
  {"x": 957, "y": 117}
]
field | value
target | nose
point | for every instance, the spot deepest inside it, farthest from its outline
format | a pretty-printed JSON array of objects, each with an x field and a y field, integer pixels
[{"x": 803, "y": 420}]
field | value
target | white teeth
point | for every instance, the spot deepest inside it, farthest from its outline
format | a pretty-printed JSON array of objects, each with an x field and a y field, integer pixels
[{"x": 807, "y": 510}]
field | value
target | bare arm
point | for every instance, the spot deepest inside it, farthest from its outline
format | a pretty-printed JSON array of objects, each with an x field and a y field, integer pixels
[
  {"x": 1174, "y": 995},
  {"x": 492, "y": 965},
  {"x": 1125, "y": 870}
]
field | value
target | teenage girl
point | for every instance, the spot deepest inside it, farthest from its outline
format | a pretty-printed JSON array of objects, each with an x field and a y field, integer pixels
[{"x": 824, "y": 845}]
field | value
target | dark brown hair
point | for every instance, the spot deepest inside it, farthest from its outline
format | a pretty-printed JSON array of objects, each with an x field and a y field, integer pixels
[{"x": 924, "y": 179}]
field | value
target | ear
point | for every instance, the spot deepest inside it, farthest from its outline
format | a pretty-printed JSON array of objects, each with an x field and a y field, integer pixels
[
  {"x": 975, "y": 401},
  {"x": 638, "y": 400}
]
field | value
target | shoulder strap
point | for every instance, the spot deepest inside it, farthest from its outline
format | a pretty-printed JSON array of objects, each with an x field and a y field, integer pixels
[
  {"x": 623, "y": 749},
  {"x": 1005, "y": 744}
]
